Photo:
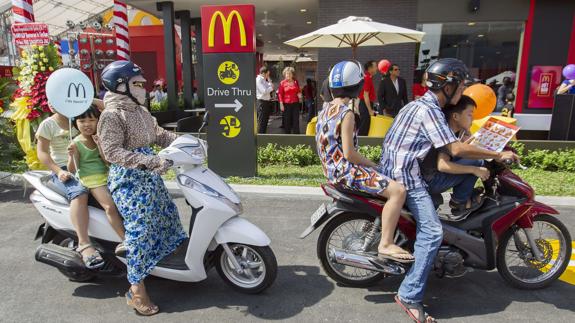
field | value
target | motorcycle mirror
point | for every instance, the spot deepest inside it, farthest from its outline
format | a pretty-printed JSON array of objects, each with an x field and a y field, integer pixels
[{"x": 204, "y": 122}]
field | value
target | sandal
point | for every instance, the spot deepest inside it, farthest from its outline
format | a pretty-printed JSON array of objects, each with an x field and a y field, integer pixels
[
  {"x": 136, "y": 303},
  {"x": 93, "y": 261},
  {"x": 120, "y": 249},
  {"x": 394, "y": 256},
  {"x": 460, "y": 211},
  {"x": 422, "y": 316}
]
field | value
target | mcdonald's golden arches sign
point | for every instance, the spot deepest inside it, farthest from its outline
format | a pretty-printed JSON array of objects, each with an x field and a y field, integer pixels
[{"x": 228, "y": 29}]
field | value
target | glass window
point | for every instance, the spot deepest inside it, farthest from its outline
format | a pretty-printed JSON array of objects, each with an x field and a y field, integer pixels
[{"x": 490, "y": 49}]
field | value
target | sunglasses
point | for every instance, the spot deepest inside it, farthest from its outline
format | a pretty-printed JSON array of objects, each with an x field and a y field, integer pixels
[{"x": 140, "y": 84}]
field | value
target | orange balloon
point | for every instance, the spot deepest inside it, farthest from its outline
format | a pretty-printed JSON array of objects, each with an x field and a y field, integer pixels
[{"x": 484, "y": 98}]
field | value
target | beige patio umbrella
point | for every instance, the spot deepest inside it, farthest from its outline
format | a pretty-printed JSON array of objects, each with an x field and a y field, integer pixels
[{"x": 354, "y": 32}]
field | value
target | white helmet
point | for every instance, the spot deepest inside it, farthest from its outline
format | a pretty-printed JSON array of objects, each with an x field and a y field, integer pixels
[{"x": 346, "y": 79}]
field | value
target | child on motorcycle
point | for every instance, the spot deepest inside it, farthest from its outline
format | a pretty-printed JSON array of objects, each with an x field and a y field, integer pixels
[
  {"x": 442, "y": 172},
  {"x": 85, "y": 158},
  {"x": 336, "y": 137},
  {"x": 52, "y": 137}
]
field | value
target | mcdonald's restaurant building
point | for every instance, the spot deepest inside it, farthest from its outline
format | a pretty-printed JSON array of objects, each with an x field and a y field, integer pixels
[{"x": 526, "y": 39}]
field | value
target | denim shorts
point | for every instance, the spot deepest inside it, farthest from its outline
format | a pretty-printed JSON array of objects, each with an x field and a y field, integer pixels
[{"x": 71, "y": 187}]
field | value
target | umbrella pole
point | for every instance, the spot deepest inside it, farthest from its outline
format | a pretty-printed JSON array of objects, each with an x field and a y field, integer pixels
[{"x": 354, "y": 51}]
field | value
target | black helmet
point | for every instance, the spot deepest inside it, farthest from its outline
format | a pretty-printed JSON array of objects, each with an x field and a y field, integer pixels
[
  {"x": 447, "y": 71},
  {"x": 119, "y": 72}
]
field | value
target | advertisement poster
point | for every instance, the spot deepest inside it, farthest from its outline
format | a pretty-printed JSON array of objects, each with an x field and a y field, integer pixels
[
  {"x": 544, "y": 81},
  {"x": 6, "y": 71},
  {"x": 30, "y": 34},
  {"x": 494, "y": 135}
]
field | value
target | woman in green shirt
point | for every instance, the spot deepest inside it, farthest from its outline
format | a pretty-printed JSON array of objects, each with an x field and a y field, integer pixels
[{"x": 86, "y": 160}]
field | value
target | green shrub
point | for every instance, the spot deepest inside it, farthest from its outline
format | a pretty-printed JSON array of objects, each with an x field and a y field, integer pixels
[
  {"x": 372, "y": 153},
  {"x": 300, "y": 155}
]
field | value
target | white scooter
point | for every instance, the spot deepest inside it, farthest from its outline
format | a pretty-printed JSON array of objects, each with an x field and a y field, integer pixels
[{"x": 218, "y": 236}]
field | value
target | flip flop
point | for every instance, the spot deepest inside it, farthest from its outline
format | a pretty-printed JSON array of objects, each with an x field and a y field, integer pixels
[
  {"x": 393, "y": 256},
  {"x": 422, "y": 316}
]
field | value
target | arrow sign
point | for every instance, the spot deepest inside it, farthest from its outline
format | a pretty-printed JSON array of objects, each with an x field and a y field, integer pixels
[{"x": 237, "y": 105}]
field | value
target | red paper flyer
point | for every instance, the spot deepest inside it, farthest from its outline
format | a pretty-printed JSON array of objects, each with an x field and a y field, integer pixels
[{"x": 494, "y": 135}]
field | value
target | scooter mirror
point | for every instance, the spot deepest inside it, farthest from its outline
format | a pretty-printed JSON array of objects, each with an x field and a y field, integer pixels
[{"x": 204, "y": 122}]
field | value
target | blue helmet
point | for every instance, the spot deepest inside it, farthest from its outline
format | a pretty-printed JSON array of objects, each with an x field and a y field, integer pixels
[
  {"x": 346, "y": 79},
  {"x": 119, "y": 72}
]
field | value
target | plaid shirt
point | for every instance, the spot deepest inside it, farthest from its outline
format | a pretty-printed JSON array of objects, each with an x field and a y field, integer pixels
[{"x": 418, "y": 126}]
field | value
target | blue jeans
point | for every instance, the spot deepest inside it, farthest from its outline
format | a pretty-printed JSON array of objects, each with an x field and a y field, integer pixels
[
  {"x": 462, "y": 184},
  {"x": 429, "y": 234}
]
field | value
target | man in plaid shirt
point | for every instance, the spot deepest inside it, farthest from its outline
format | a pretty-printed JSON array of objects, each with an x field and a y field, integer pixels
[{"x": 420, "y": 125}]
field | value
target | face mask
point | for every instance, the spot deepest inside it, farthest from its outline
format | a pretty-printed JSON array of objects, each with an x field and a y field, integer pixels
[{"x": 137, "y": 89}]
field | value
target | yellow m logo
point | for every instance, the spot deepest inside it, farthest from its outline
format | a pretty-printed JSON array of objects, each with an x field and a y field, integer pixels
[{"x": 227, "y": 26}]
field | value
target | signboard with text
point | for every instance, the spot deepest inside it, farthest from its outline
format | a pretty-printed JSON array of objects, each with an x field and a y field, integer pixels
[
  {"x": 30, "y": 34},
  {"x": 544, "y": 82},
  {"x": 228, "y": 43}
]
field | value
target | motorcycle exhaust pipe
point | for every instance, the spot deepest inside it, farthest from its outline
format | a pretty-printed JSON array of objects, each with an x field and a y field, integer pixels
[
  {"x": 60, "y": 257},
  {"x": 365, "y": 261}
]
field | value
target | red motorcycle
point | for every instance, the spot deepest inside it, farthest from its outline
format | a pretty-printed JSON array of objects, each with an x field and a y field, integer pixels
[{"x": 512, "y": 232}]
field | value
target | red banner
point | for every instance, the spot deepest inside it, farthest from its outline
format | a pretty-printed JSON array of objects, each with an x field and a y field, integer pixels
[
  {"x": 544, "y": 82},
  {"x": 228, "y": 29},
  {"x": 30, "y": 34}
]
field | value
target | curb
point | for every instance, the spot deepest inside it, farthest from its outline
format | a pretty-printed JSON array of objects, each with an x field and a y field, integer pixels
[{"x": 18, "y": 180}]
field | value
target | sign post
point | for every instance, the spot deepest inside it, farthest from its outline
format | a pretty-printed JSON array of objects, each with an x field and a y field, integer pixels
[{"x": 228, "y": 43}]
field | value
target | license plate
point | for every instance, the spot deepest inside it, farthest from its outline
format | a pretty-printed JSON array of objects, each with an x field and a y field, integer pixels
[{"x": 318, "y": 214}]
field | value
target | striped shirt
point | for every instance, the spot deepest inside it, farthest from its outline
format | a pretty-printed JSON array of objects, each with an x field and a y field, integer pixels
[{"x": 418, "y": 126}]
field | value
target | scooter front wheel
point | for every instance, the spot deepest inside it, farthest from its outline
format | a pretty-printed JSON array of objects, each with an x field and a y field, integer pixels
[
  {"x": 257, "y": 267},
  {"x": 517, "y": 263}
]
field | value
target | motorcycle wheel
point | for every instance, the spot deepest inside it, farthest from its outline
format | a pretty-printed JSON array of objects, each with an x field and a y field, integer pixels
[
  {"x": 259, "y": 268},
  {"x": 71, "y": 275},
  {"x": 346, "y": 275},
  {"x": 516, "y": 263}
]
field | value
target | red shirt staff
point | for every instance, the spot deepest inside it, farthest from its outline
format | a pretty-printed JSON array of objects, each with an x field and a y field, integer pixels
[{"x": 289, "y": 97}]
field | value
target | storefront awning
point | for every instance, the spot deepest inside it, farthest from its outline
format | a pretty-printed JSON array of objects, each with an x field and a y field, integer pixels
[{"x": 55, "y": 13}]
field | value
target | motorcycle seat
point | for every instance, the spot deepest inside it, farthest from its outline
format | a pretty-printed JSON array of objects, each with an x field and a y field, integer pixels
[{"x": 436, "y": 198}]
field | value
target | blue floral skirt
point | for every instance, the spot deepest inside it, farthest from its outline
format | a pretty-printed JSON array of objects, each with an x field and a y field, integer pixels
[{"x": 151, "y": 219}]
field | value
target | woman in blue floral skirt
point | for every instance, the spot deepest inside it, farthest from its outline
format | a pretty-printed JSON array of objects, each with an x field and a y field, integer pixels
[{"x": 126, "y": 131}]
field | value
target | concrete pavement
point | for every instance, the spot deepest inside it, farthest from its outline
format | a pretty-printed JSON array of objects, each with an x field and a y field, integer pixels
[{"x": 34, "y": 292}]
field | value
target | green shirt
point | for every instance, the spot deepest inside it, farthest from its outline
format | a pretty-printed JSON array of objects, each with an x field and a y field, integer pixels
[{"x": 92, "y": 170}]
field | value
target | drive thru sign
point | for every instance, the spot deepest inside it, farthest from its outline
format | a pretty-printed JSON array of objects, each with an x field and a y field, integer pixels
[{"x": 228, "y": 42}]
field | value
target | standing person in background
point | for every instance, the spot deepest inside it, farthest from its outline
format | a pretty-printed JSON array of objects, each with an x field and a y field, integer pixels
[
  {"x": 392, "y": 92},
  {"x": 502, "y": 92},
  {"x": 158, "y": 94},
  {"x": 264, "y": 88},
  {"x": 366, "y": 98},
  {"x": 419, "y": 84},
  {"x": 325, "y": 92},
  {"x": 289, "y": 97},
  {"x": 309, "y": 93}
]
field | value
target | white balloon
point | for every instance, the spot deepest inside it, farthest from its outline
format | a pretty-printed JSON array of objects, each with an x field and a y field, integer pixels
[{"x": 69, "y": 91}]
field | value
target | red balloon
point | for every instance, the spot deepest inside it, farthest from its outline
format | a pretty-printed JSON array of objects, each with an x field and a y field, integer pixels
[{"x": 383, "y": 66}]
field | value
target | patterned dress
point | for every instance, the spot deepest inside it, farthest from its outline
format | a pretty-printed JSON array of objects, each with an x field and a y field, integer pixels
[
  {"x": 153, "y": 227},
  {"x": 336, "y": 168},
  {"x": 151, "y": 219}
]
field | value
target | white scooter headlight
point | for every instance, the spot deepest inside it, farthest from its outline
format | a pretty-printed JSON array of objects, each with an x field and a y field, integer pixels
[{"x": 189, "y": 182}]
